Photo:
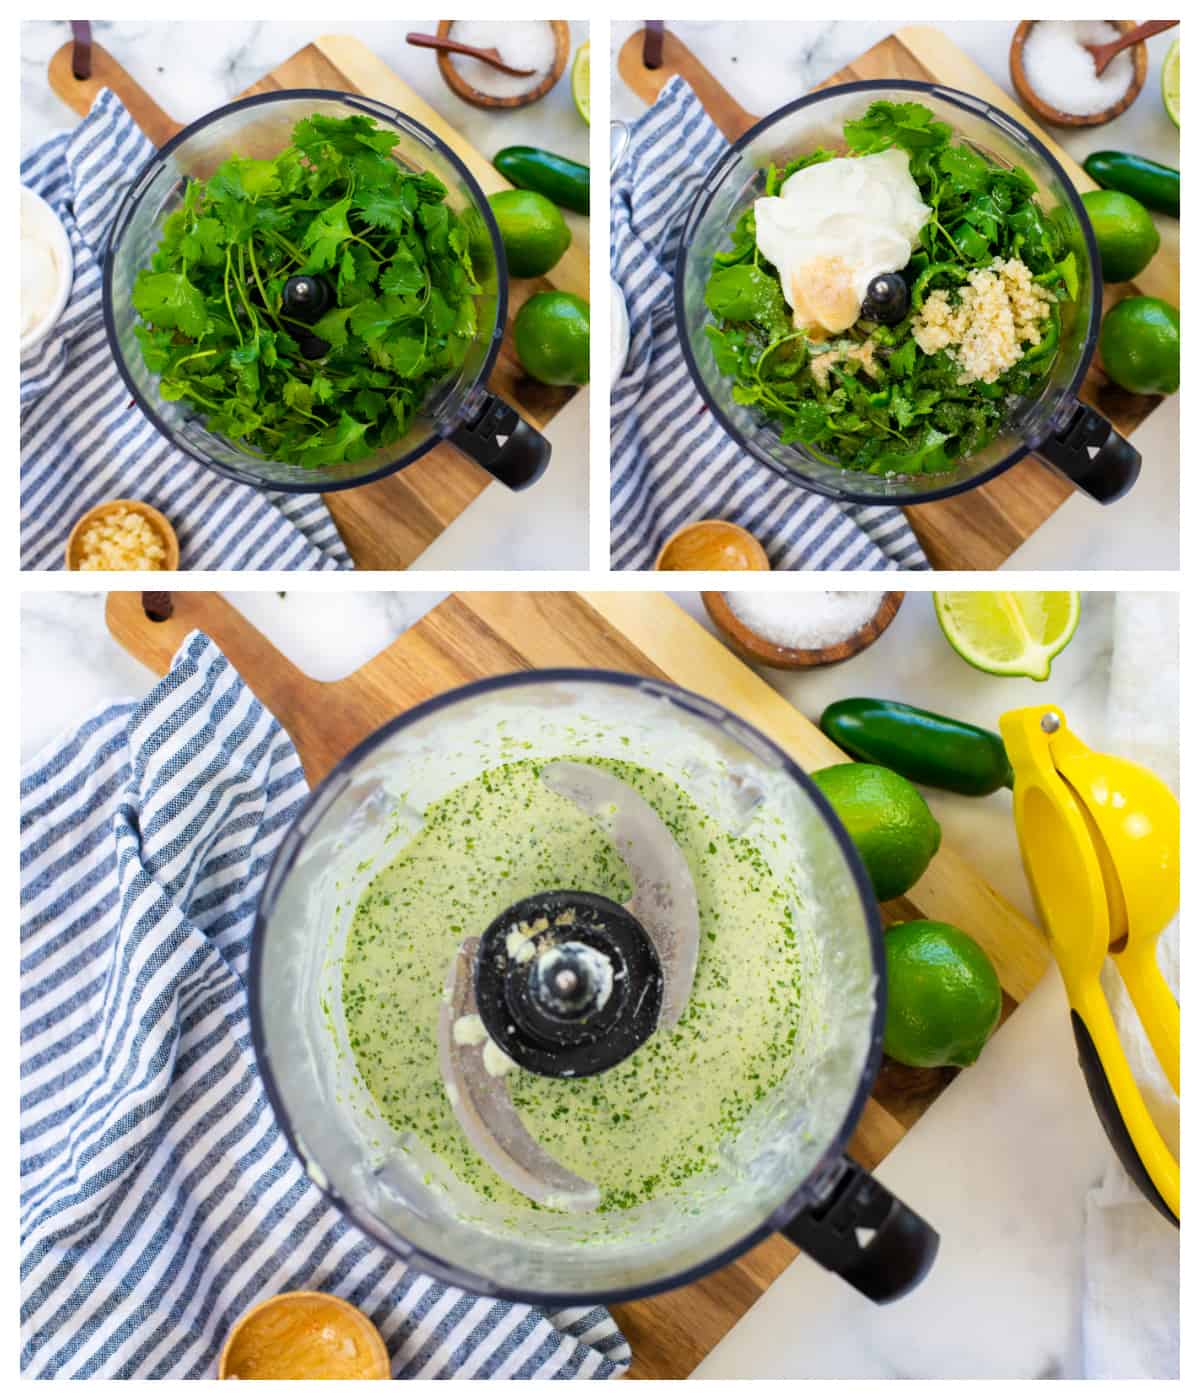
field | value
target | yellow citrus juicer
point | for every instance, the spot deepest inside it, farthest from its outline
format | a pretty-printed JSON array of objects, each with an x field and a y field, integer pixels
[{"x": 1099, "y": 839}]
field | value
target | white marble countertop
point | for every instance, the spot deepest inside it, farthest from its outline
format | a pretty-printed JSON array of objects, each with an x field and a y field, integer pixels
[
  {"x": 189, "y": 67},
  {"x": 1005, "y": 1297},
  {"x": 766, "y": 64}
]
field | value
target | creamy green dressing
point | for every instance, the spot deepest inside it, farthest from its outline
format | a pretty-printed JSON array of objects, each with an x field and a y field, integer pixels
[{"x": 651, "y": 1124}]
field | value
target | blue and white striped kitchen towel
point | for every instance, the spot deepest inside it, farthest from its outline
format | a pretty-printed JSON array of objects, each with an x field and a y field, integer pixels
[
  {"x": 671, "y": 461},
  {"x": 84, "y": 442},
  {"x": 158, "y": 1197}
]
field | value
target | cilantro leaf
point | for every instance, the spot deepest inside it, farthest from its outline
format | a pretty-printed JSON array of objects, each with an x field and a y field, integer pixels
[
  {"x": 242, "y": 178},
  {"x": 317, "y": 135},
  {"x": 390, "y": 208},
  {"x": 909, "y": 125},
  {"x": 169, "y": 299},
  {"x": 332, "y": 326},
  {"x": 402, "y": 275},
  {"x": 326, "y": 234},
  {"x": 339, "y": 443}
]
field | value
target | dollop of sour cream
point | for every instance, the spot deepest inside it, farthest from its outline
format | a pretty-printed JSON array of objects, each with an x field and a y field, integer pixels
[
  {"x": 41, "y": 271},
  {"x": 833, "y": 227}
]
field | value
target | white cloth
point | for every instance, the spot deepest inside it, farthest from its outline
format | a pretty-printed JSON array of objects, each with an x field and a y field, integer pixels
[{"x": 1131, "y": 1254}]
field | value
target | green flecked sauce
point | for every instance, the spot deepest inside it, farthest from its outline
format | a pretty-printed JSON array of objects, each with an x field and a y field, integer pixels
[{"x": 654, "y": 1122}]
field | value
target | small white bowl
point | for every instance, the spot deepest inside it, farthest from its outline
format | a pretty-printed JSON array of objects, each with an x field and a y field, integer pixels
[
  {"x": 620, "y": 333},
  {"x": 38, "y": 220}
]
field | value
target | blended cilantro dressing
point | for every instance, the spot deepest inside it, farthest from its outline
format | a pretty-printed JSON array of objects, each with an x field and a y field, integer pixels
[{"x": 651, "y": 1124}]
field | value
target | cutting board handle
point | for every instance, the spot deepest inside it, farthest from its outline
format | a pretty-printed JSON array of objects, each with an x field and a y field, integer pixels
[
  {"x": 106, "y": 72},
  {"x": 679, "y": 61},
  {"x": 297, "y": 701}
]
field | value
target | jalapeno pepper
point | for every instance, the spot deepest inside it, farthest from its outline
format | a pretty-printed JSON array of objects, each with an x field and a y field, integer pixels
[
  {"x": 921, "y": 285},
  {"x": 564, "y": 181},
  {"x": 1156, "y": 186},
  {"x": 920, "y": 746}
]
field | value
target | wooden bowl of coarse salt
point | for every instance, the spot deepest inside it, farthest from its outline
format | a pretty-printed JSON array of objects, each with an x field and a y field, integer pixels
[
  {"x": 122, "y": 535},
  {"x": 793, "y": 631},
  {"x": 541, "y": 44},
  {"x": 1054, "y": 75}
]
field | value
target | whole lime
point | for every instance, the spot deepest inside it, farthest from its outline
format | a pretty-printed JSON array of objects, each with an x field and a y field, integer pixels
[
  {"x": 888, "y": 820},
  {"x": 1139, "y": 345},
  {"x": 943, "y": 995},
  {"x": 1125, "y": 233},
  {"x": 534, "y": 233},
  {"x": 553, "y": 332}
]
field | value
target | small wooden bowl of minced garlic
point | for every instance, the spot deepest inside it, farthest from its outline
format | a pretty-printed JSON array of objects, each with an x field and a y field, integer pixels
[
  {"x": 792, "y": 631},
  {"x": 123, "y": 536}
]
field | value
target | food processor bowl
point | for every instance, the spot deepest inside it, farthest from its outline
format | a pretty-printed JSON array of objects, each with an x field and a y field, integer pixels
[
  {"x": 782, "y": 1168},
  {"x": 1065, "y": 434},
  {"x": 460, "y": 409}
]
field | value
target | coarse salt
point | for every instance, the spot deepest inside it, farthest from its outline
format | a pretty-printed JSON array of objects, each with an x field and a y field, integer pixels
[
  {"x": 1062, "y": 72},
  {"x": 805, "y": 621},
  {"x": 520, "y": 44}
]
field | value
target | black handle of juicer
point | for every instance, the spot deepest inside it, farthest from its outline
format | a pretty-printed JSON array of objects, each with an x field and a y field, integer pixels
[
  {"x": 504, "y": 444},
  {"x": 1092, "y": 455},
  {"x": 861, "y": 1232},
  {"x": 1110, "y": 1116}
]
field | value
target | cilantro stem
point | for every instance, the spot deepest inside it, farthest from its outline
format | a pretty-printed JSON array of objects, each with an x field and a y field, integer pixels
[
  {"x": 262, "y": 291},
  {"x": 297, "y": 256},
  {"x": 228, "y": 301},
  {"x": 199, "y": 355},
  {"x": 941, "y": 228},
  {"x": 199, "y": 398},
  {"x": 241, "y": 287}
]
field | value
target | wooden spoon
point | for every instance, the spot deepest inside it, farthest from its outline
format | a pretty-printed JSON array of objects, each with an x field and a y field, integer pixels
[
  {"x": 1103, "y": 54},
  {"x": 490, "y": 56},
  {"x": 752, "y": 646}
]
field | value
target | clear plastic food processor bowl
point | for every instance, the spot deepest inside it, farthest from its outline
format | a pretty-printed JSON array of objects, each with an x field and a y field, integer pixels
[
  {"x": 1054, "y": 424},
  {"x": 371, "y": 806},
  {"x": 261, "y": 127}
]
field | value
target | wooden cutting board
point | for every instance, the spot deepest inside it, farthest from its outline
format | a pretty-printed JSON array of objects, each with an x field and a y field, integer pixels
[
  {"x": 977, "y": 529},
  {"x": 387, "y": 524},
  {"x": 479, "y": 634}
]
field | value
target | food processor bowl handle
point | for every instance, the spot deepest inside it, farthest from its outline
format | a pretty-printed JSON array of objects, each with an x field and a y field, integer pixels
[
  {"x": 861, "y": 1232},
  {"x": 1091, "y": 454},
  {"x": 503, "y": 443}
]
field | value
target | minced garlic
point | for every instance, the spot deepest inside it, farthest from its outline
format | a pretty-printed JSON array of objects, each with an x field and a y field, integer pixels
[
  {"x": 820, "y": 365},
  {"x": 1000, "y": 310},
  {"x": 122, "y": 539},
  {"x": 862, "y": 354}
]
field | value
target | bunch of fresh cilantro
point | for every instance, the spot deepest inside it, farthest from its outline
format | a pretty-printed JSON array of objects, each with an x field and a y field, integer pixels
[
  {"x": 911, "y": 415},
  {"x": 397, "y": 258}
]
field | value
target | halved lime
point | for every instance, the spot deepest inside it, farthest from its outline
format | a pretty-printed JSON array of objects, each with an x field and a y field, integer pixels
[
  {"x": 581, "y": 82},
  {"x": 1008, "y": 634},
  {"x": 1170, "y": 82}
]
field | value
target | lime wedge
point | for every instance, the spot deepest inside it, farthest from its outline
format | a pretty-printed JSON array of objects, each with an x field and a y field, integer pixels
[
  {"x": 1008, "y": 634},
  {"x": 581, "y": 82},
  {"x": 1170, "y": 82}
]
